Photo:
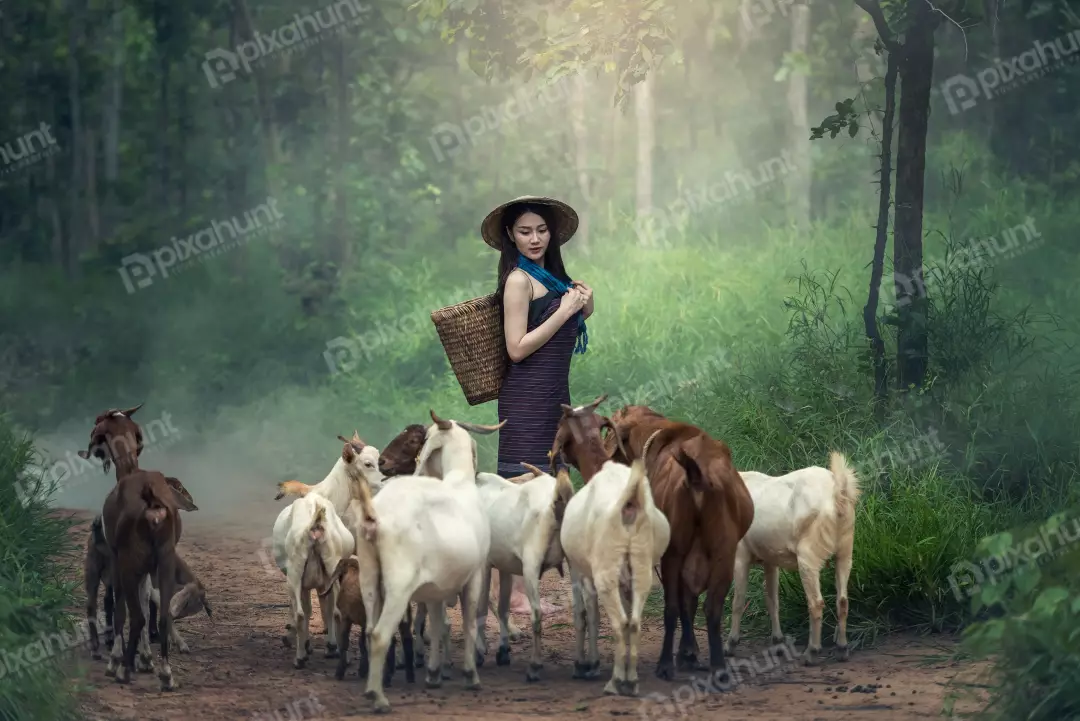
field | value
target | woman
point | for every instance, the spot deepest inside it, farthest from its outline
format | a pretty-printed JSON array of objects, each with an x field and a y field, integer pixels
[{"x": 544, "y": 314}]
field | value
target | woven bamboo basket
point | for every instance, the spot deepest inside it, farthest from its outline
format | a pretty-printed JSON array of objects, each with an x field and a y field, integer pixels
[{"x": 472, "y": 335}]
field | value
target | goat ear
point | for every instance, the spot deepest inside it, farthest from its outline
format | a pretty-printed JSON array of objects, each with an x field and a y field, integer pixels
[
  {"x": 83, "y": 454},
  {"x": 347, "y": 453}
]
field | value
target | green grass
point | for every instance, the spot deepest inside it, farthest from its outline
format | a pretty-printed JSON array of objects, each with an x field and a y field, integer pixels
[{"x": 34, "y": 597}]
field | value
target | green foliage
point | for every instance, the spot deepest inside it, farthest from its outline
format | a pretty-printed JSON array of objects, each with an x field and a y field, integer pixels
[
  {"x": 1031, "y": 626},
  {"x": 34, "y": 596}
]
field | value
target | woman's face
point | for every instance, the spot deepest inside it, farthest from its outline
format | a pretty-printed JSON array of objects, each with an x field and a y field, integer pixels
[{"x": 531, "y": 236}]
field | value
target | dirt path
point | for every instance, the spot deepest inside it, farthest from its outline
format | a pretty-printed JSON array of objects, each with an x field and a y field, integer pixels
[{"x": 238, "y": 667}]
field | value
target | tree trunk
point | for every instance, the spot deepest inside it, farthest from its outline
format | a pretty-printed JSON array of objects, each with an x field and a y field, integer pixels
[
  {"x": 266, "y": 106},
  {"x": 91, "y": 190},
  {"x": 877, "y": 345},
  {"x": 799, "y": 183},
  {"x": 581, "y": 157},
  {"x": 76, "y": 222},
  {"x": 646, "y": 140},
  {"x": 111, "y": 118},
  {"x": 162, "y": 134},
  {"x": 916, "y": 72},
  {"x": 341, "y": 250}
]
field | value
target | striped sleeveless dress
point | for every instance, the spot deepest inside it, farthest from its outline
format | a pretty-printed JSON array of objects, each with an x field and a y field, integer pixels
[{"x": 532, "y": 391}]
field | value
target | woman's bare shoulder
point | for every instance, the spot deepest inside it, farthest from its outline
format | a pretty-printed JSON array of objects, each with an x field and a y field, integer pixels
[{"x": 519, "y": 283}]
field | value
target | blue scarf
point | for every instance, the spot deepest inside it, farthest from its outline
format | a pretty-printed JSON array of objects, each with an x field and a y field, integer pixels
[{"x": 559, "y": 286}]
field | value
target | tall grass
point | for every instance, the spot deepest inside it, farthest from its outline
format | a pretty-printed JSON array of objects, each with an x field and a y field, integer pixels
[{"x": 34, "y": 595}]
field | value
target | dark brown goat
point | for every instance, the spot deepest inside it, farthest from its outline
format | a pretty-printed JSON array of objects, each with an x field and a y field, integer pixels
[
  {"x": 399, "y": 456},
  {"x": 117, "y": 440},
  {"x": 695, "y": 484},
  {"x": 187, "y": 601},
  {"x": 142, "y": 524}
]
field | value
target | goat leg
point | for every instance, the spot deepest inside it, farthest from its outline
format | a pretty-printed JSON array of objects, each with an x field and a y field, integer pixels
[
  {"x": 167, "y": 570},
  {"x": 132, "y": 590},
  {"x": 343, "y": 644},
  {"x": 405, "y": 629},
  {"x": 687, "y": 659},
  {"x": 110, "y": 605},
  {"x": 671, "y": 572},
  {"x": 92, "y": 570},
  {"x": 119, "y": 618},
  {"x": 502, "y": 655},
  {"x": 153, "y": 609},
  {"x": 146, "y": 655}
]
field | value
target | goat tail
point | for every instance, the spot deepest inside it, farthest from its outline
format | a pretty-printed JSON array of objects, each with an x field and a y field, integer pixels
[
  {"x": 633, "y": 498},
  {"x": 846, "y": 491},
  {"x": 564, "y": 491}
]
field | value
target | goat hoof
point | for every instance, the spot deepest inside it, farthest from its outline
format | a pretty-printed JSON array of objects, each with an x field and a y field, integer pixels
[
  {"x": 433, "y": 681},
  {"x": 167, "y": 683},
  {"x": 123, "y": 675},
  {"x": 533, "y": 674},
  {"x": 611, "y": 688},
  {"x": 843, "y": 653},
  {"x": 299, "y": 662},
  {"x": 382, "y": 705},
  {"x": 307, "y": 646},
  {"x": 502, "y": 656},
  {"x": 586, "y": 670},
  {"x": 810, "y": 657},
  {"x": 627, "y": 687},
  {"x": 665, "y": 670},
  {"x": 691, "y": 663},
  {"x": 777, "y": 639},
  {"x": 331, "y": 651}
]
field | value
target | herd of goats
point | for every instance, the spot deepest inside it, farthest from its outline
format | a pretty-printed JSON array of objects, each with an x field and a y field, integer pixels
[{"x": 417, "y": 524}]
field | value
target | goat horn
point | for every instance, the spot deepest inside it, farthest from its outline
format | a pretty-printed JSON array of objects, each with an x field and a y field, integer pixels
[
  {"x": 130, "y": 411},
  {"x": 532, "y": 469},
  {"x": 481, "y": 429},
  {"x": 597, "y": 402},
  {"x": 357, "y": 439},
  {"x": 443, "y": 425}
]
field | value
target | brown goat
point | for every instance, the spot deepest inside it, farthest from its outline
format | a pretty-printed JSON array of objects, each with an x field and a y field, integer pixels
[
  {"x": 580, "y": 441},
  {"x": 695, "y": 484},
  {"x": 117, "y": 440},
  {"x": 187, "y": 601},
  {"x": 142, "y": 524},
  {"x": 399, "y": 456},
  {"x": 350, "y": 602}
]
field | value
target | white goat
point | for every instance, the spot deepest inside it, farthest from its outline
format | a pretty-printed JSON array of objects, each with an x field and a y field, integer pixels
[
  {"x": 800, "y": 520},
  {"x": 308, "y": 544},
  {"x": 525, "y": 520},
  {"x": 358, "y": 462},
  {"x": 425, "y": 540},
  {"x": 613, "y": 535}
]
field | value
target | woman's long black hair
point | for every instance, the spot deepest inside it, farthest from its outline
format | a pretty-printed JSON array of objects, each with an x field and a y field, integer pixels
[{"x": 508, "y": 258}]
